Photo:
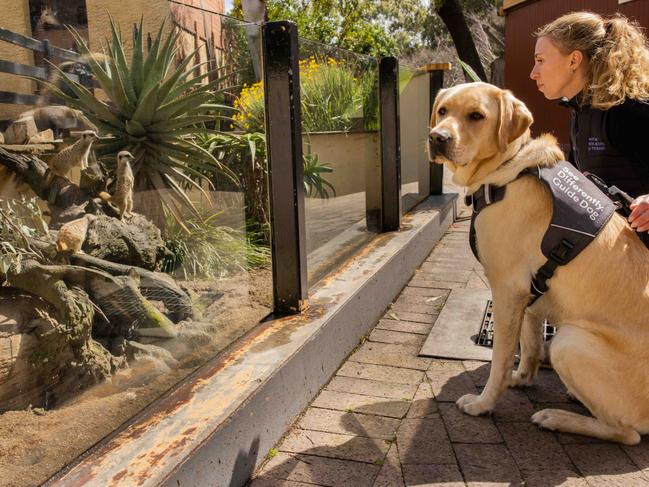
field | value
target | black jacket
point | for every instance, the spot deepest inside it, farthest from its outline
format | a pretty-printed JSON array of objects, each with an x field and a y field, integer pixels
[{"x": 612, "y": 144}]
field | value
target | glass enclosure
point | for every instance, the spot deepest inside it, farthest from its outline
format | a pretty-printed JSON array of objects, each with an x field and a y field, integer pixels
[
  {"x": 341, "y": 145},
  {"x": 134, "y": 225},
  {"x": 414, "y": 117}
]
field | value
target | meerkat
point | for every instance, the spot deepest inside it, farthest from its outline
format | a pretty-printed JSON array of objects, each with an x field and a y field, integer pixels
[
  {"x": 58, "y": 117},
  {"x": 72, "y": 234},
  {"x": 123, "y": 196},
  {"x": 74, "y": 155}
]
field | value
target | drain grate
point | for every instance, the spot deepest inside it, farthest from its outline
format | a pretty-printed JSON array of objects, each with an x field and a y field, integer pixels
[{"x": 485, "y": 337}]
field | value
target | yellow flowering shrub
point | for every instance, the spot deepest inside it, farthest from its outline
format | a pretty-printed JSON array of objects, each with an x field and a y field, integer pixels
[{"x": 330, "y": 94}]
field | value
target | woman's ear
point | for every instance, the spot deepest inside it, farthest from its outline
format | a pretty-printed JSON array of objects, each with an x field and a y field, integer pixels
[{"x": 576, "y": 58}]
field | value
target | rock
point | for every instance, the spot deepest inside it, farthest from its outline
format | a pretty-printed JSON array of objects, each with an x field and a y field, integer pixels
[
  {"x": 134, "y": 241},
  {"x": 2, "y": 138},
  {"x": 41, "y": 360},
  {"x": 42, "y": 137},
  {"x": 20, "y": 131}
]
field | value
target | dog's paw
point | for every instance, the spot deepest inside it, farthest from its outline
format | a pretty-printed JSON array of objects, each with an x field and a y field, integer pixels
[
  {"x": 549, "y": 419},
  {"x": 520, "y": 379},
  {"x": 473, "y": 405}
]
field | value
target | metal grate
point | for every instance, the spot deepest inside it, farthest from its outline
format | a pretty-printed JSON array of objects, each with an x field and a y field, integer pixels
[{"x": 485, "y": 336}]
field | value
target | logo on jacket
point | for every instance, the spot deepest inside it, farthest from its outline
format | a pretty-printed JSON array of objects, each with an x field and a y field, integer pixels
[{"x": 595, "y": 145}]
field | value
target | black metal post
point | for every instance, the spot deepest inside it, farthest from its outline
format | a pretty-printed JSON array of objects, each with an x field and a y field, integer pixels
[
  {"x": 390, "y": 144},
  {"x": 285, "y": 165},
  {"x": 436, "y": 170}
]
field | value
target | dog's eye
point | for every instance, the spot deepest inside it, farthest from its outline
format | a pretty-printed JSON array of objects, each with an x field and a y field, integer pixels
[
  {"x": 476, "y": 116},
  {"x": 441, "y": 111}
]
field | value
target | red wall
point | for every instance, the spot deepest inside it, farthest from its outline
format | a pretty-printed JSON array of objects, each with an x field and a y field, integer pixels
[{"x": 520, "y": 24}]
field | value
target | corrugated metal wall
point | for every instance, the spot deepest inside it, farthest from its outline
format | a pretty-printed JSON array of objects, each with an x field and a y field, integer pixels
[{"x": 520, "y": 23}]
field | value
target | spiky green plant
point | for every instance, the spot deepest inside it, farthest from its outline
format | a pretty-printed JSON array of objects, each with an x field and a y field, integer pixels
[{"x": 153, "y": 109}]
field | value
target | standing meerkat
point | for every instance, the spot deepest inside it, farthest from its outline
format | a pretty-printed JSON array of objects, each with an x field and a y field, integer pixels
[
  {"x": 74, "y": 155},
  {"x": 72, "y": 234},
  {"x": 123, "y": 196}
]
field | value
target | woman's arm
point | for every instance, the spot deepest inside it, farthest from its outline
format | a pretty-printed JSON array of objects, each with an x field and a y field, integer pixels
[{"x": 627, "y": 130}]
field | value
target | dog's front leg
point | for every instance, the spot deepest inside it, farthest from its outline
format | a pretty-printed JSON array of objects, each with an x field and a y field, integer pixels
[{"x": 509, "y": 308}]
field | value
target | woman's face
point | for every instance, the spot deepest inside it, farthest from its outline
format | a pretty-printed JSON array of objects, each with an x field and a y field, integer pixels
[{"x": 557, "y": 74}]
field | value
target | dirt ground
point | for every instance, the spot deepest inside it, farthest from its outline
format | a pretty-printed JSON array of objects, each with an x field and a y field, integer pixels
[{"x": 35, "y": 444}]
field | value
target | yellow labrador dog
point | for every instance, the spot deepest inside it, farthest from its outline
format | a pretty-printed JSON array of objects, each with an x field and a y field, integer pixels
[{"x": 599, "y": 300}]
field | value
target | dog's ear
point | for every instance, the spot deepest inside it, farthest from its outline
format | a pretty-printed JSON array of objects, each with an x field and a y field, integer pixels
[
  {"x": 433, "y": 115},
  {"x": 514, "y": 119}
]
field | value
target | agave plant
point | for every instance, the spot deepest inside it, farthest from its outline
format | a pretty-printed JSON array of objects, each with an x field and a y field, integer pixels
[{"x": 153, "y": 109}]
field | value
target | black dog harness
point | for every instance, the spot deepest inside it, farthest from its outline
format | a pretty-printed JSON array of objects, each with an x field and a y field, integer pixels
[{"x": 580, "y": 211}]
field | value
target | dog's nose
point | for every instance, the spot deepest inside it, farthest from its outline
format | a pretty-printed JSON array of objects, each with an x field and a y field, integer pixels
[{"x": 439, "y": 136}]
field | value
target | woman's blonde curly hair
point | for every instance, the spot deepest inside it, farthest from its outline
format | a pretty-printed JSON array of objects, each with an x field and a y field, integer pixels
[{"x": 616, "y": 51}]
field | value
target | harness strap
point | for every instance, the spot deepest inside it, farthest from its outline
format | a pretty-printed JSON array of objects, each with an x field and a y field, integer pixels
[
  {"x": 540, "y": 280},
  {"x": 486, "y": 195}
]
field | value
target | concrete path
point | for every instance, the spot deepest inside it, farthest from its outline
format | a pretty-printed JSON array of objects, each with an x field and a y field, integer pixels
[{"x": 388, "y": 418}]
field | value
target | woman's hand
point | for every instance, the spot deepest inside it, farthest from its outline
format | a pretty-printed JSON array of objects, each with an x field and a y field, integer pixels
[{"x": 639, "y": 217}]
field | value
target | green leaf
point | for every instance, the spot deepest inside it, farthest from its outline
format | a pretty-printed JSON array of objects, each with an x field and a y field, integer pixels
[{"x": 469, "y": 71}]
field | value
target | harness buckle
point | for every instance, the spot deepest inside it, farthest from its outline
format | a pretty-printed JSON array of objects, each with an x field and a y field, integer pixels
[{"x": 560, "y": 252}]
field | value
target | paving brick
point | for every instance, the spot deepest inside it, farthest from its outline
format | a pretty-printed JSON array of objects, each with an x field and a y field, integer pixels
[
  {"x": 533, "y": 449},
  {"x": 424, "y": 442},
  {"x": 357, "y": 403},
  {"x": 391, "y": 355},
  {"x": 639, "y": 455},
  {"x": 332, "y": 445},
  {"x": 380, "y": 372},
  {"x": 435, "y": 301},
  {"x": 267, "y": 482},
  {"x": 372, "y": 388},
  {"x": 475, "y": 281},
  {"x": 423, "y": 404},
  {"x": 390, "y": 474},
  {"x": 553, "y": 477},
  {"x": 422, "y": 281},
  {"x": 422, "y": 291},
  {"x": 320, "y": 471},
  {"x": 605, "y": 465},
  {"x": 397, "y": 337},
  {"x": 463, "y": 428},
  {"x": 432, "y": 476},
  {"x": 411, "y": 316},
  {"x": 450, "y": 385},
  {"x": 486, "y": 464},
  {"x": 428, "y": 308},
  {"x": 478, "y": 371},
  {"x": 452, "y": 263},
  {"x": 513, "y": 406},
  {"x": 430, "y": 271},
  {"x": 405, "y": 326},
  {"x": 547, "y": 387},
  {"x": 346, "y": 423}
]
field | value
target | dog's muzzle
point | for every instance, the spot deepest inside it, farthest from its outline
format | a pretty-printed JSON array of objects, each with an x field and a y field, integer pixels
[{"x": 439, "y": 142}]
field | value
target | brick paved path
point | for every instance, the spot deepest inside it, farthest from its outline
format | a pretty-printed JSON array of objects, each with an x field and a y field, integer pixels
[{"x": 388, "y": 418}]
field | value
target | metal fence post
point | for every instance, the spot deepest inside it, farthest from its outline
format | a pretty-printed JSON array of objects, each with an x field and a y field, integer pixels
[
  {"x": 285, "y": 165},
  {"x": 390, "y": 144},
  {"x": 436, "y": 77}
]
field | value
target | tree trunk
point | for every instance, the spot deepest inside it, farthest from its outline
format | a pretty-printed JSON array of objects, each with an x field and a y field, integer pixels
[
  {"x": 451, "y": 13},
  {"x": 66, "y": 200}
]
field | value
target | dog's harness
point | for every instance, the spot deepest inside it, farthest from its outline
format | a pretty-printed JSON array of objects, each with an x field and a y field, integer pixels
[{"x": 580, "y": 211}]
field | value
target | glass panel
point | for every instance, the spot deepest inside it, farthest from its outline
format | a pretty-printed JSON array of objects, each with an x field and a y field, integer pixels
[
  {"x": 123, "y": 272},
  {"x": 339, "y": 96},
  {"x": 413, "y": 118}
]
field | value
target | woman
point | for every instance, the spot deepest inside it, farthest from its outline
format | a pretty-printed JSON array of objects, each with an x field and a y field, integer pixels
[{"x": 599, "y": 67}]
